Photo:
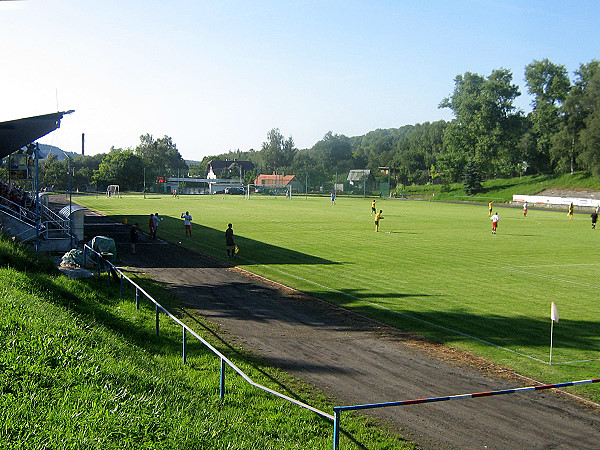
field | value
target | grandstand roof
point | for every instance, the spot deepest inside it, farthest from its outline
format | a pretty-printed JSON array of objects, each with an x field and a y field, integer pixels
[{"x": 16, "y": 134}]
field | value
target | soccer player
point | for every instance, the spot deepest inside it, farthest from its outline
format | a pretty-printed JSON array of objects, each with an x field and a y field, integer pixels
[
  {"x": 333, "y": 198},
  {"x": 525, "y": 209},
  {"x": 156, "y": 222},
  {"x": 494, "y": 220},
  {"x": 570, "y": 213},
  {"x": 378, "y": 217},
  {"x": 230, "y": 241},
  {"x": 490, "y": 206},
  {"x": 134, "y": 234},
  {"x": 373, "y": 210},
  {"x": 152, "y": 226},
  {"x": 594, "y": 219},
  {"x": 187, "y": 223}
]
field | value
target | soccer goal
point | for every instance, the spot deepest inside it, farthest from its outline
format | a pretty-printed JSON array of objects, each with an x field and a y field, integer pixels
[
  {"x": 113, "y": 190},
  {"x": 252, "y": 189}
]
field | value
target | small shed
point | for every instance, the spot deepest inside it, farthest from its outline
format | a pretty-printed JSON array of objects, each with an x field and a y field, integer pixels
[
  {"x": 75, "y": 214},
  {"x": 357, "y": 177}
]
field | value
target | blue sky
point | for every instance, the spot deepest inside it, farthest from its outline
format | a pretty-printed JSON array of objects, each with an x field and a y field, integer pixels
[{"x": 218, "y": 75}]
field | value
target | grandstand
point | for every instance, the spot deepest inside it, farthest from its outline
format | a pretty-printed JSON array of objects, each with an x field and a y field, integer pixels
[{"x": 23, "y": 215}]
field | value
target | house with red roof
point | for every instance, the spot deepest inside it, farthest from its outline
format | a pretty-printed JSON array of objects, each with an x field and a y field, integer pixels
[{"x": 274, "y": 182}]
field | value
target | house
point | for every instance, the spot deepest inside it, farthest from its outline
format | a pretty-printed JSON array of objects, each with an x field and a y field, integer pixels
[
  {"x": 216, "y": 167},
  {"x": 271, "y": 182},
  {"x": 357, "y": 177}
]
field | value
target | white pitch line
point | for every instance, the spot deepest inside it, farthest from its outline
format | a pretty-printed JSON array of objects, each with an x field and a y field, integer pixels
[
  {"x": 384, "y": 308},
  {"x": 551, "y": 265},
  {"x": 552, "y": 278}
]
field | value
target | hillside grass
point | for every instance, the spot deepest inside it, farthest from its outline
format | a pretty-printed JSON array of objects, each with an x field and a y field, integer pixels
[
  {"x": 502, "y": 190},
  {"x": 434, "y": 269},
  {"x": 82, "y": 368}
]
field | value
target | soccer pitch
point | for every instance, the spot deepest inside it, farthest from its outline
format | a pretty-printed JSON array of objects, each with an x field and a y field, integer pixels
[{"x": 433, "y": 268}]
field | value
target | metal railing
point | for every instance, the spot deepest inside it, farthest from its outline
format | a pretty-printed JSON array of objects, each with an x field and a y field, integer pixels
[
  {"x": 49, "y": 220},
  {"x": 102, "y": 261},
  {"x": 338, "y": 409}
]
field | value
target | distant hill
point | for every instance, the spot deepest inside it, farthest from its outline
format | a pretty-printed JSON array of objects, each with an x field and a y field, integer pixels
[
  {"x": 47, "y": 150},
  {"x": 191, "y": 163}
]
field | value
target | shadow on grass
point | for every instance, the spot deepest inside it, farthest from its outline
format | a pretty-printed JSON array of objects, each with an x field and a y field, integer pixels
[
  {"x": 511, "y": 332},
  {"x": 204, "y": 239},
  {"x": 98, "y": 311},
  {"x": 265, "y": 306}
]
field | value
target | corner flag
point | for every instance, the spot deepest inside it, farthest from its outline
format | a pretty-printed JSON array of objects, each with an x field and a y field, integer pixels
[
  {"x": 554, "y": 318},
  {"x": 554, "y": 312}
]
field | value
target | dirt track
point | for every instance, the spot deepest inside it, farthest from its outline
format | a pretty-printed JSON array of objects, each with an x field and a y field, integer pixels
[{"x": 355, "y": 360}]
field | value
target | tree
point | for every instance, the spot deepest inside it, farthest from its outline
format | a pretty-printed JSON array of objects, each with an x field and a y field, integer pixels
[
  {"x": 485, "y": 128},
  {"x": 277, "y": 152},
  {"x": 472, "y": 179},
  {"x": 588, "y": 82},
  {"x": 160, "y": 155},
  {"x": 53, "y": 173},
  {"x": 549, "y": 84},
  {"x": 334, "y": 152},
  {"x": 121, "y": 167}
]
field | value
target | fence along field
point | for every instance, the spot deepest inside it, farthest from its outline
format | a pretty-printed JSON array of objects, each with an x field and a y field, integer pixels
[{"x": 434, "y": 268}]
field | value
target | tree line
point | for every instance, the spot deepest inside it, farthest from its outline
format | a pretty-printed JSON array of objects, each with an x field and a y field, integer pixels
[{"x": 488, "y": 137}]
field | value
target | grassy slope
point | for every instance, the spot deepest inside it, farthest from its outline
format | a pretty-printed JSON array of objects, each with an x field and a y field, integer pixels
[
  {"x": 80, "y": 368},
  {"x": 434, "y": 268},
  {"x": 502, "y": 190}
]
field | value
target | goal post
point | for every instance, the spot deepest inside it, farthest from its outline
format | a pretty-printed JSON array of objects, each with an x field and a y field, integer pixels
[
  {"x": 248, "y": 190},
  {"x": 272, "y": 190},
  {"x": 113, "y": 190}
]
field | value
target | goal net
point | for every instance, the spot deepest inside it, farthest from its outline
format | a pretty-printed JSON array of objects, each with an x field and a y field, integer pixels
[
  {"x": 283, "y": 191},
  {"x": 113, "y": 190}
]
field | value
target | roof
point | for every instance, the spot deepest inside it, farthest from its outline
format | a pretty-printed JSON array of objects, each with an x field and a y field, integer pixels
[
  {"x": 245, "y": 165},
  {"x": 358, "y": 174},
  {"x": 219, "y": 164},
  {"x": 16, "y": 134},
  {"x": 274, "y": 180},
  {"x": 64, "y": 211}
]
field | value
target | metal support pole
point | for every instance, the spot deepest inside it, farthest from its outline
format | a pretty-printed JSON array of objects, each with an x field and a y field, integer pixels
[
  {"x": 38, "y": 219},
  {"x": 184, "y": 346},
  {"x": 157, "y": 322},
  {"x": 70, "y": 201},
  {"x": 222, "y": 380},
  {"x": 121, "y": 286},
  {"x": 336, "y": 429},
  {"x": 84, "y": 256},
  {"x": 137, "y": 298}
]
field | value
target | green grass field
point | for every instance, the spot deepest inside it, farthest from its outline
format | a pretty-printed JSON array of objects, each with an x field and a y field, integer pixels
[{"x": 434, "y": 268}]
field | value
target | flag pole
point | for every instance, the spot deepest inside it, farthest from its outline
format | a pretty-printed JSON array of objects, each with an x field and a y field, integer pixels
[
  {"x": 551, "y": 338},
  {"x": 553, "y": 318}
]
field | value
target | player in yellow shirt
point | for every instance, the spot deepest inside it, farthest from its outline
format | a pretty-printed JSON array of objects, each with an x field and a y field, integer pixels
[
  {"x": 378, "y": 217},
  {"x": 373, "y": 210},
  {"x": 490, "y": 206},
  {"x": 570, "y": 213}
]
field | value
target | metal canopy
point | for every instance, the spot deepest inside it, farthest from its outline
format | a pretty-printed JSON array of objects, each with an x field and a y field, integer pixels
[
  {"x": 66, "y": 211},
  {"x": 16, "y": 134}
]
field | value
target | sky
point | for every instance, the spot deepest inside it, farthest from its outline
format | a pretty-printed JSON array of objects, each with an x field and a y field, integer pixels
[{"x": 219, "y": 75}]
